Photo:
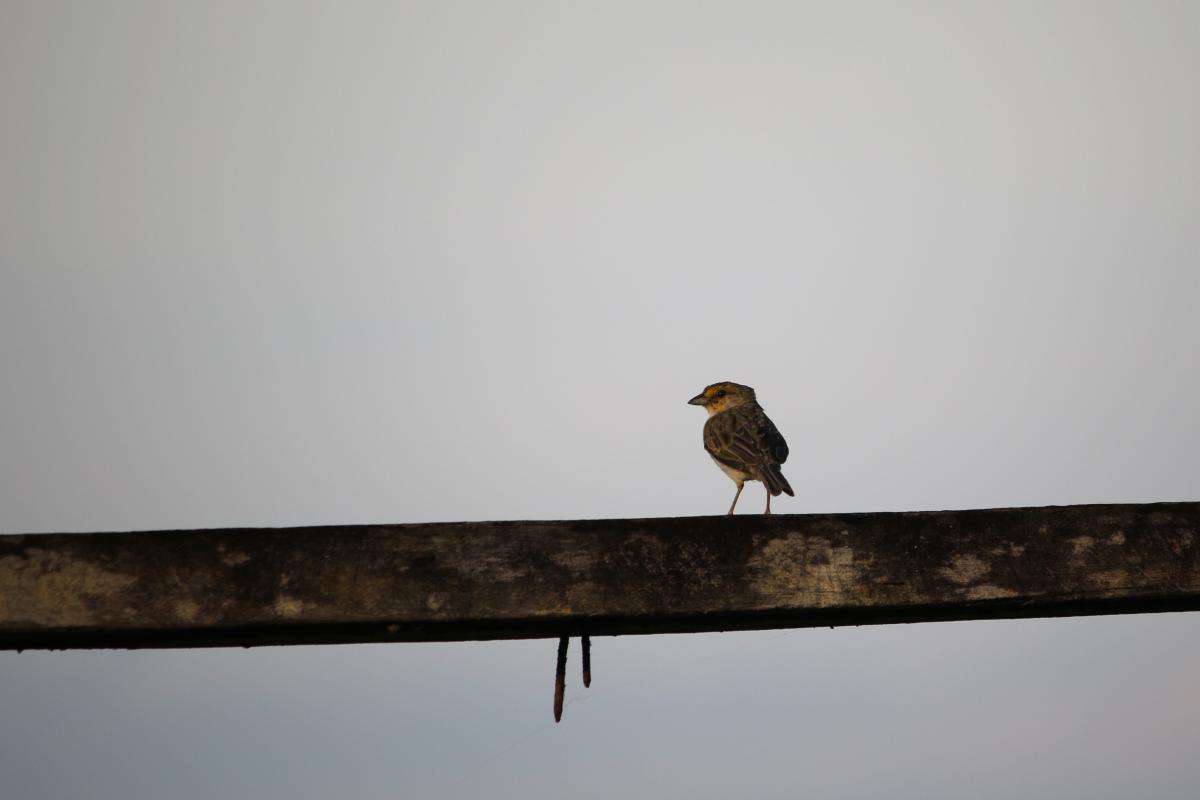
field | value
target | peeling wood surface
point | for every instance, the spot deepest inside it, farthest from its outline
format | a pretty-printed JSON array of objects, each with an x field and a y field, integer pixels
[{"x": 492, "y": 580}]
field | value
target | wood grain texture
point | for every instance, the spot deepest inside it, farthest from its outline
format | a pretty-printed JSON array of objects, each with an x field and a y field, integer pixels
[{"x": 491, "y": 580}]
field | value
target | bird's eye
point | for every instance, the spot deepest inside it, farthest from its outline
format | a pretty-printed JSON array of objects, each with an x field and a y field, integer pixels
[{"x": 721, "y": 393}]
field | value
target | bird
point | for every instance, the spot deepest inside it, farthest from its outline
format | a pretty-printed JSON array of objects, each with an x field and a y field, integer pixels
[{"x": 741, "y": 438}]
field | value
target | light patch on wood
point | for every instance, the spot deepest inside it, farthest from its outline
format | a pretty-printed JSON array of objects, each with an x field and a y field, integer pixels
[
  {"x": 576, "y": 561},
  {"x": 989, "y": 591},
  {"x": 1117, "y": 538},
  {"x": 1110, "y": 580},
  {"x": 499, "y": 569},
  {"x": 187, "y": 610},
  {"x": 808, "y": 570},
  {"x": 964, "y": 569},
  {"x": 53, "y": 589},
  {"x": 1081, "y": 544},
  {"x": 555, "y": 611},
  {"x": 286, "y": 606},
  {"x": 234, "y": 559}
]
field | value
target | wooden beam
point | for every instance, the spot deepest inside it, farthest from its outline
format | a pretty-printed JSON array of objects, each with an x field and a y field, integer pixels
[{"x": 494, "y": 580}]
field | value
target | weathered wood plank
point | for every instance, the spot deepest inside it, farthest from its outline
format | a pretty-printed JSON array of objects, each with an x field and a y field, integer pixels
[{"x": 488, "y": 580}]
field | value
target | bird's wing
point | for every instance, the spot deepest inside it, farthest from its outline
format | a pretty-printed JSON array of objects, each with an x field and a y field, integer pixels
[
  {"x": 732, "y": 438},
  {"x": 772, "y": 438}
]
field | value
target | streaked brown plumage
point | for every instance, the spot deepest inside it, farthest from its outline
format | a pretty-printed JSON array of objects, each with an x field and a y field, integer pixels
[{"x": 741, "y": 438}]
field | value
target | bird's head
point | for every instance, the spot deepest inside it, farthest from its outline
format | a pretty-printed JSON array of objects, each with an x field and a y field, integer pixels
[{"x": 723, "y": 396}]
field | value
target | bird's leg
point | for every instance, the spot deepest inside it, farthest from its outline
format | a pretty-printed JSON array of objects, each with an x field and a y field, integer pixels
[
  {"x": 735, "y": 497},
  {"x": 768, "y": 511}
]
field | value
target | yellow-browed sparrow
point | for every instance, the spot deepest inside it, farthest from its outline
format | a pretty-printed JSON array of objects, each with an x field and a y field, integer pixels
[{"x": 742, "y": 440}]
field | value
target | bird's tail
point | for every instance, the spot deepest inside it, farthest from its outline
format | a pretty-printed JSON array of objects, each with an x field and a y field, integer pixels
[{"x": 776, "y": 484}]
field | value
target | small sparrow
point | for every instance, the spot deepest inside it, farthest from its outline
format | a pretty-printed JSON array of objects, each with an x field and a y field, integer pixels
[{"x": 742, "y": 440}]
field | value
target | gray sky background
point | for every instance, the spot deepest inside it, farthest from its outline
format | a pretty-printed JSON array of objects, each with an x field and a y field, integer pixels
[{"x": 299, "y": 263}]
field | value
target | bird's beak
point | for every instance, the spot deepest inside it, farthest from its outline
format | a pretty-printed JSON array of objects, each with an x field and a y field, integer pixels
[{"x": 698, "y": 400}]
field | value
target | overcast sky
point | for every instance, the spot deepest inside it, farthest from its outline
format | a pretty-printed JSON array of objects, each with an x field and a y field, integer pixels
[{"x": 296, "y": 263}]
